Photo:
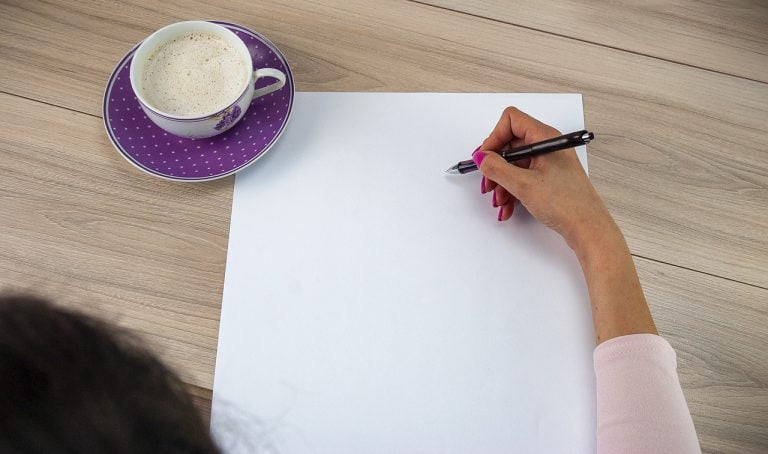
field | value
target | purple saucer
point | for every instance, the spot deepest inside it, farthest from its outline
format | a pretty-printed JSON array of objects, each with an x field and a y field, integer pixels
[{"x": 164, "y": 155}]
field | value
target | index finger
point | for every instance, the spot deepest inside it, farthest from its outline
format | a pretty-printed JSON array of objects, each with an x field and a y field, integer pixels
[{"x": 517, "y": 126}]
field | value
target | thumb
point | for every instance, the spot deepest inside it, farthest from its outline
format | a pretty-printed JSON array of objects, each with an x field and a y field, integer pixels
[{"x": 510, "y": 176}]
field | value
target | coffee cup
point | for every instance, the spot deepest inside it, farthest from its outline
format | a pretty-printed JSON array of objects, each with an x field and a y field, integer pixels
[{"x": 195, "y": 79}]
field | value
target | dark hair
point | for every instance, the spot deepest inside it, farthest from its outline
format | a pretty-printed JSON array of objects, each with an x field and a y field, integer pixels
[{"x": 72, "y": 384}]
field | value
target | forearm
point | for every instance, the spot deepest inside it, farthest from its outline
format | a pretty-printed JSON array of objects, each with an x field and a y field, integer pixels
[
  {"x": 618, "y": 303},
  {"x": 640, "y": 406}
]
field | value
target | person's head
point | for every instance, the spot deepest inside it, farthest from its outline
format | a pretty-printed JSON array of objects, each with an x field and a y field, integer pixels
[{"x": 72, "y": 384}]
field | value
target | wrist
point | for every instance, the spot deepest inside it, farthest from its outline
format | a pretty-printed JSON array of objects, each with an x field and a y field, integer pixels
[{"x": 596, "y": 239}]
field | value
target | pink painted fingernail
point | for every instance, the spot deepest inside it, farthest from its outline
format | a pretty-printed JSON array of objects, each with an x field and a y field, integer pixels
[
  {"x": 501, "y": 211},
  {"x": 493, "y": 199},
  {"x": 482, "y": 186},
  {"x": 478, "y": 157},
  {"x": 476, "y": 148}
]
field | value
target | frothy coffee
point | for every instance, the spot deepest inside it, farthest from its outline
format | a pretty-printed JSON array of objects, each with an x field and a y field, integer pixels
[{"x": 195, "y": 74}]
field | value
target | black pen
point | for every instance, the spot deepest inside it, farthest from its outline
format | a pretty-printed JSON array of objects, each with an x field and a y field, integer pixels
[{"x": 563, "y": 142}]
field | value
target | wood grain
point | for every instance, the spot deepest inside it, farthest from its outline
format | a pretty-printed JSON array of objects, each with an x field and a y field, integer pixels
[
  {"x": 680, "y": 155},
  {"x": 728, "y": 37},
  {"x": 718, "y": 329},
  {"x": 80, "y": 227},
  {"x": 201, "y": 399}
]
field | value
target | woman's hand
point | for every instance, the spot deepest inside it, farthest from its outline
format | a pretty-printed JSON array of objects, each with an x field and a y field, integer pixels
[{"x": 553, "y": 187}]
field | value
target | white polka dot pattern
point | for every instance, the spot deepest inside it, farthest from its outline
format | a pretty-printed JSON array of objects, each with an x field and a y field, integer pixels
[{"x": 146, "y": 145}]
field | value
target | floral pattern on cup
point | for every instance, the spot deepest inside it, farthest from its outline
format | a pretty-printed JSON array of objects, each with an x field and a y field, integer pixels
[{"x": 228, "y": 117}]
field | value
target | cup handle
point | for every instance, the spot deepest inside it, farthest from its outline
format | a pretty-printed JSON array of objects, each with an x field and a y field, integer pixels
[{"x": 268, "y": 72}]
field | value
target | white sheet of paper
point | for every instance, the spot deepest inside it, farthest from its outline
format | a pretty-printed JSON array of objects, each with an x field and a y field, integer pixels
[{"x": 373, "y": 304}]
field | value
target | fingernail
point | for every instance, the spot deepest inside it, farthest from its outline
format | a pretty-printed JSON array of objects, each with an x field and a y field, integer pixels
[
  {"x": 482, "y": 186},
  {"x": 478, "y": 157},
  {"x": 473, "y": 151},
  {"x": 493, "y": 200},
  {"x": 501, "y": 211}
]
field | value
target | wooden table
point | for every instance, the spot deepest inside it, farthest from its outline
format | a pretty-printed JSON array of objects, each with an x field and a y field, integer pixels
[{"x": 677, "y": 92}]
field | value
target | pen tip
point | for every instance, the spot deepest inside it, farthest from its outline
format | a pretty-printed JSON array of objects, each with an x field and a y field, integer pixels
[{"x": 454, "y": 169}]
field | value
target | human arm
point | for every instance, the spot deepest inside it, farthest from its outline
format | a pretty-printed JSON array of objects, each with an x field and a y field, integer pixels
[
  {"x": 640, "y": 404},
  {"x": 556, "y": 190}
]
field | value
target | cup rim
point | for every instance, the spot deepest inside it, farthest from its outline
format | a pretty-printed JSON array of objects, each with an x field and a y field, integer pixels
[{"x": 169, "y": 116}]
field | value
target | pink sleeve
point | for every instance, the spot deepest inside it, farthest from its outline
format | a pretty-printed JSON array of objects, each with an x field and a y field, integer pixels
[{"x": 640, "y": 405}]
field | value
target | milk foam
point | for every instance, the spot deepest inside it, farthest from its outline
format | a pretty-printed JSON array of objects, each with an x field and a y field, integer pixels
[{"x": 195, "y": 74}]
